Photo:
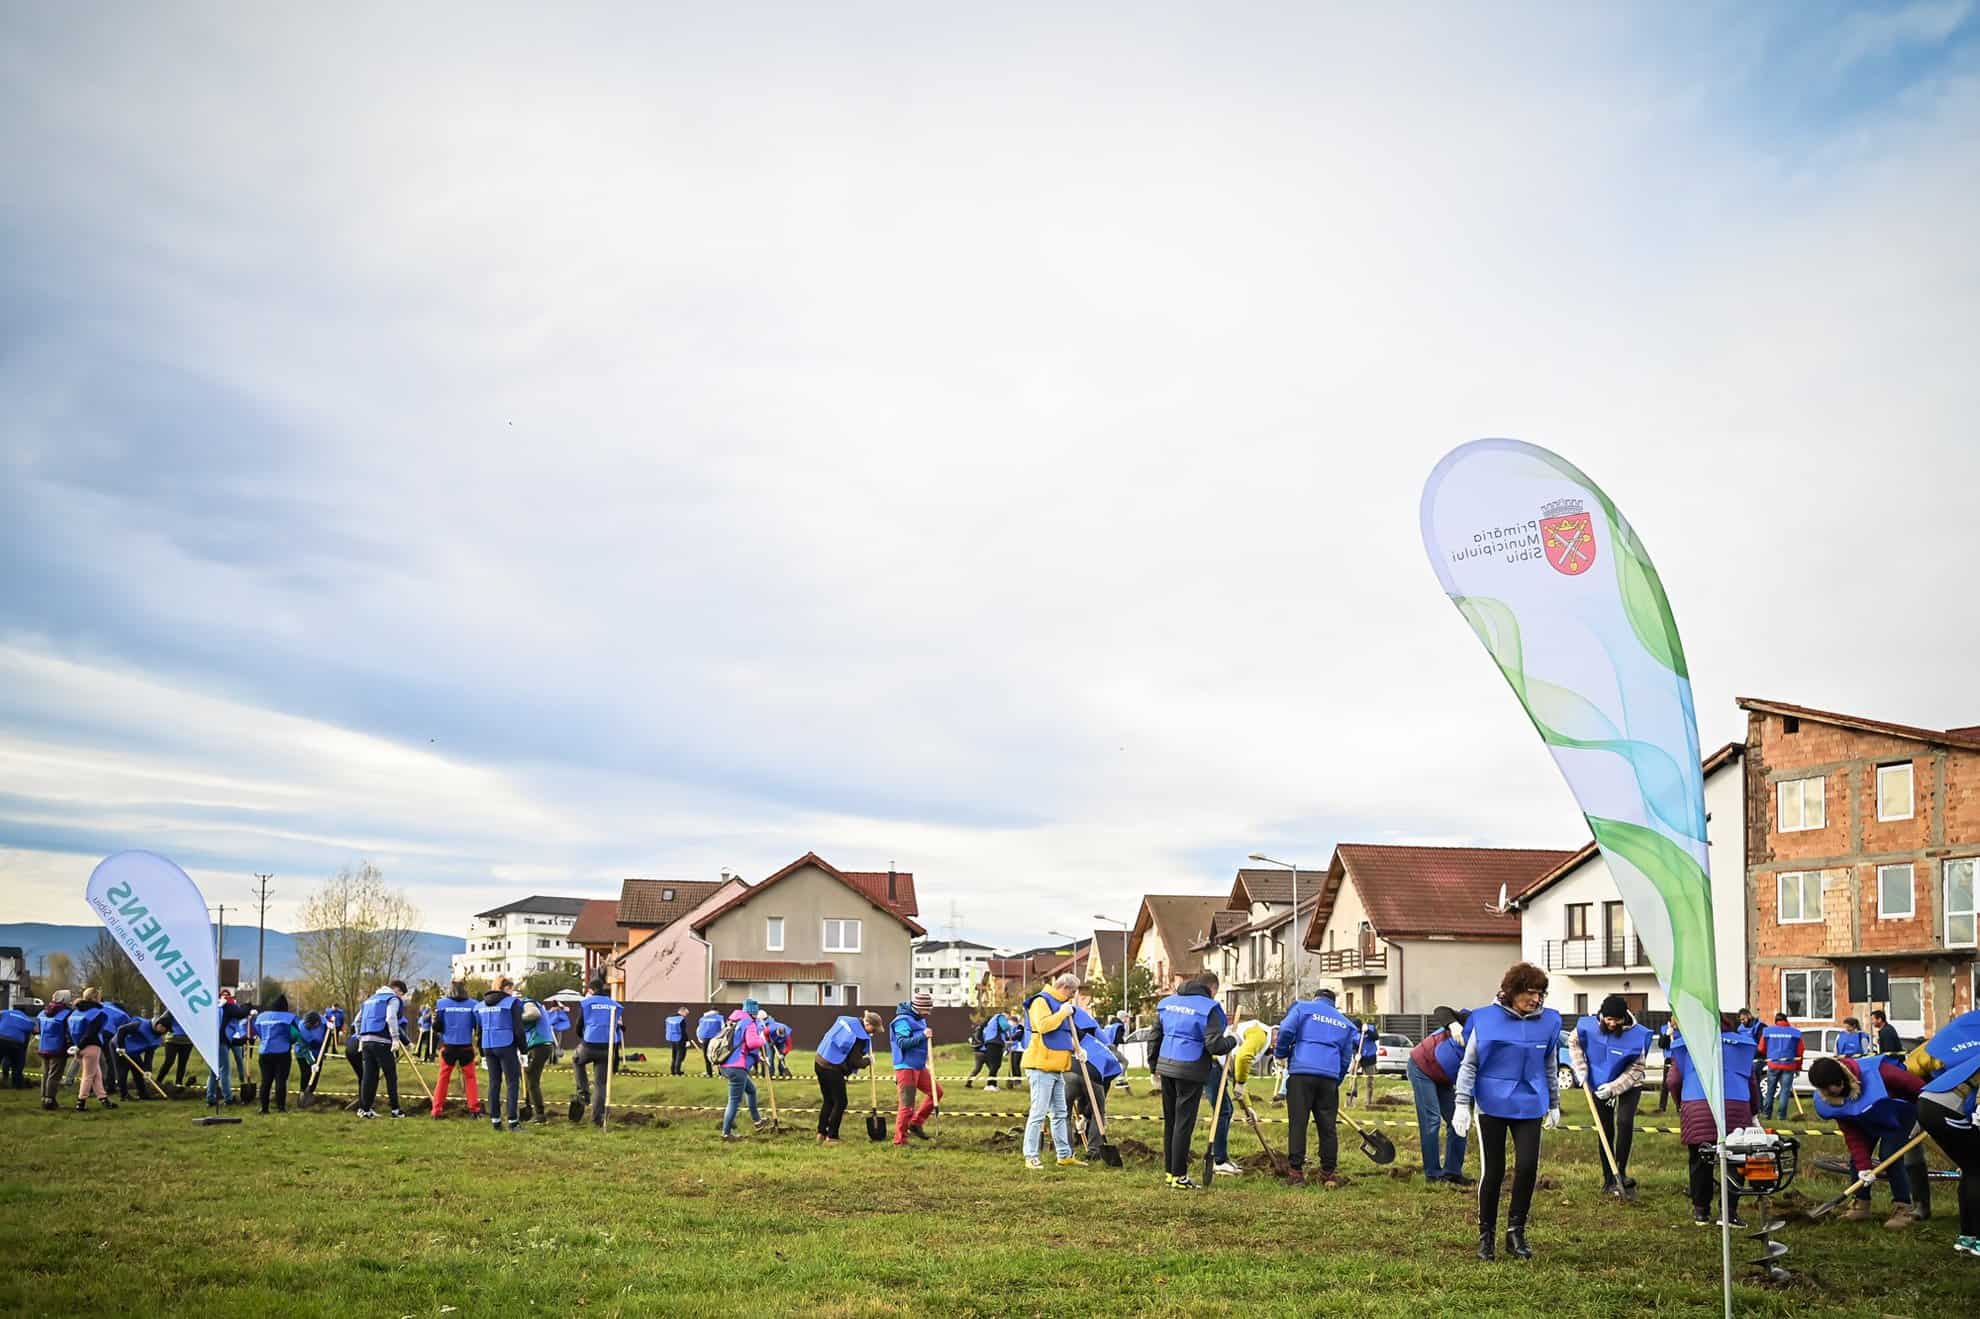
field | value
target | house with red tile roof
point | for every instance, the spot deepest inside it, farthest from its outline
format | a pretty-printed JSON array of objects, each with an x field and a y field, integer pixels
[{"x": 1405, "y": 929}]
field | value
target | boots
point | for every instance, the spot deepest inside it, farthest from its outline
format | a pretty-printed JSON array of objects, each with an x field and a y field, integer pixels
[
  {"x": 1487, "y": 1233},
  {"x": 1516, "y": 1240},
  {"x": 82, "y": 1105},
  {"x": 1295, "y": 1177}
]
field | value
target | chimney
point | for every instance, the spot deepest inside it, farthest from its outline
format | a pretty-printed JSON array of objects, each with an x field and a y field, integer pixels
[{"x": 893, "y": 882}]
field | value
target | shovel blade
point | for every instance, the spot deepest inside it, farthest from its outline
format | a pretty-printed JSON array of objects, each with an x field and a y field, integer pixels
[
  {"x": 1378, "y": 1147},
  {"x": 1110, "y": 1155},
  {"x": 876, "y": 1127}
]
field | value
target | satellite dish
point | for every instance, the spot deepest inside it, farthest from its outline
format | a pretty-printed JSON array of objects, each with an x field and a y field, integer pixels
[{"x": 1502, "y": 908}]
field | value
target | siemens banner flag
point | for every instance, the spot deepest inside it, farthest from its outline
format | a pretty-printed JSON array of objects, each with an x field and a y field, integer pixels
[
  {"x": 1552, "y": 579},
  {"x": 157, "y": 913}
]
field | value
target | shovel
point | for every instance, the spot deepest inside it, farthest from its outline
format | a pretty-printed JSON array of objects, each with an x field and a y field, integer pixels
[
  {"x": 1378, "y": 1147},
  {"x": 308, "y": 1096},
  {"x": 1828, "y": 1207},
  {"x": 1110, "y": 1153},
  {"x": 1608, "y": 1152},
  {"x": 1216, "y": 1110},
  {"x": 1279, "y": 1165},
  {"x": 406, "y": 1053},
  {"x": 876, "y": 1126},
  {"x": 132, "y": 1063}
]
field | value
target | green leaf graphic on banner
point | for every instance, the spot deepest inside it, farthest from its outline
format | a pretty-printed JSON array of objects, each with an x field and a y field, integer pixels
[{"x": 1684, "y": 887}]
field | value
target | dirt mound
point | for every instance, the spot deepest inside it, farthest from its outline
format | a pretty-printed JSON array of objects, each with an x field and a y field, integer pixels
[
  {"x": 1386, "y": 1101},
  {"x": 635, "y": 1118},
  {"x": 1545, "y": 1183},
  {"x": 1260, "y": 1162},
  {"x": 1403, "y": 1174},
  {"x": 1134, "y": 1149}
]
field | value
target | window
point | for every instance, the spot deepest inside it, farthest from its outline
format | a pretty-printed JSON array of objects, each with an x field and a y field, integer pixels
[
  {"x": 1809, "y": 995},
  {"x": 773, "y": 933},
  {"x": 1577, "y": 919},
  {"x": 666, "y": 895},
  {"x": 1799, "y": 897},
  {"x": 1906, "y": 1009},
  {"x": 1894, "y": 893},
  {"x": 1958, "y": 903},
  {"x": 841, "y": 936},
  {"x": 1894, "y": 791},
  {"x": 1802, "y": 804},
  {"x": 1581, "y": 1005}
]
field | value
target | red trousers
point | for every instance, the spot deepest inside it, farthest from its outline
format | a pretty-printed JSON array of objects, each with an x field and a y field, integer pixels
[
  {"x": 469, "y": 1079},
  {"x": 909, "y": 1084}
]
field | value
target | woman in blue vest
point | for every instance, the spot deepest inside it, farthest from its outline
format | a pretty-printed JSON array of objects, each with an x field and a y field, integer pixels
[
  {"x": 846, "y": 1049},
  {"x": 1853, "y": 1041},
  {"x": 499, "y": 1023},
  {"x": 426, "y": 1048},
  {"x": 1092, "y": 1075},
  {"x": 454, "y": 1021},
  {"x": 1874, "y": 1103},
  {"x": 235, "y": 1033},
  {"x": 51, "y": 1041},
  {"x": 275, "y": 1028},
  {"x": 1696, "y": 1128},
  {"x": 137, "y": 1039},
  {"x": 744, "y": 1047},
  {"x": 1189, "y": 1037},
  {"x": 705, "y": 1031},
  {"x": 987, "y": 1048},
  {"x": 540, "y": 1046},
  {"x": 677, "y": 1040},
  {"x": 1606, "y": 1052},
  {"x": 1510, "y": 1079},
  {"x": 315, "y": 1039},
  {"x": 88, "y": 1036},
  {"x": 1949, "y": 1064}
]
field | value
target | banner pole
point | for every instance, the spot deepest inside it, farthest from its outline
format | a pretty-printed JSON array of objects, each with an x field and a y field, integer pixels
[{"x": 1725, "y": 1228}]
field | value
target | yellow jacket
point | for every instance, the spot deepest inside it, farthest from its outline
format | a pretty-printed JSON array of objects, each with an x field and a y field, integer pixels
[
  {"x": 1038, "y": 1055},
  {"x": 1252, "y": 1036}
]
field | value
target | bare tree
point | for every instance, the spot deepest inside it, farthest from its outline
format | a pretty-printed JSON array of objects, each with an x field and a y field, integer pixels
[
  {"x": 357, "y": 934},
  {"x": 58, "y": 972},
  {"x": 109, "y": 968}
]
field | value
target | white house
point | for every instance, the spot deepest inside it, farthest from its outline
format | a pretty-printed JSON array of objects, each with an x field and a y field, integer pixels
[
  {"x": 522, "y": 938},
  {"x": 1575, "y": 926},
  {"x": 950, "y": 969}
]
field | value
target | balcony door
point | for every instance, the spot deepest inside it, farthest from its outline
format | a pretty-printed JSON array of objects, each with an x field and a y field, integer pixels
[{"x": 1613, "y": 952}]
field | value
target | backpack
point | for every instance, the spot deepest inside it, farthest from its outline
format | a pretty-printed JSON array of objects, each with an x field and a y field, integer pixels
[
  {"x": 976, "y": 1035},
  {"x": 724, "y": 1042}
]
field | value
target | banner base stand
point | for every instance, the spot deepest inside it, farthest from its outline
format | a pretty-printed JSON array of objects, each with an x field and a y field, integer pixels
[{"x": 216, "y": 1122}]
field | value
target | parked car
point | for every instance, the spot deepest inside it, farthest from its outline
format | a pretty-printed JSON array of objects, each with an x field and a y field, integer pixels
[
  {"x": 1820, "y": 1042},
  {"x": 1134, "y": 1049},
  {"x": 1392, "y": 1054}
]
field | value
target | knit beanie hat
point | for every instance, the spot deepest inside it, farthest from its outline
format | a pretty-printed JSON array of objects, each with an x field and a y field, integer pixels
[
  {"x": 749, "y": 1006},
  {"x": 1615, "y": 1005},
  {"x": 923, "y": 1001}
]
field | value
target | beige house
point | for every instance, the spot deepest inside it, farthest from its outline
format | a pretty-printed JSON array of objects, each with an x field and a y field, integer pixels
[
  {"x": 1406, "y": 929},
  {"x": 1167, "y": 929},
  {"x": 811, "y": 935}
]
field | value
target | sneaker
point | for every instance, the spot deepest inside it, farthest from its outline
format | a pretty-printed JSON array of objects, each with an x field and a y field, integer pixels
[
  {"x": 1902, "y": 1216},
  {"x": 989, "y": 1085},
  {"x": 1701, "y": 1217},
  {"x": 437, "y": 1114},
  {"x": 398, "y": 1113},
  {"x": 365, "y": 1112},
  {"x": 1228, "y": 1169},
  {"x": 1967, "y": 1246},
  {"x": 1459, "y": 1180},
  {"x": 1072, "y": 1161},
  {"x": 918, "y": 1133},
  {"x": 1737, "y": 1221},
  {"x": 1037, "y": 1164},
  {"x": 1183, "y": 1183},
  {"x": 495, "y": 1122}
]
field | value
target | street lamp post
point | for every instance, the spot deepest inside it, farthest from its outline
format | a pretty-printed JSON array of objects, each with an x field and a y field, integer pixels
[
  {"x": 1292, "y": 866},
  {"x": 1115, "y": 920}
]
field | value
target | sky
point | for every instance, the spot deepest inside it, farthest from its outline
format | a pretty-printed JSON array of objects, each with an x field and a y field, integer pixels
[{"x": 640, "y": 440}]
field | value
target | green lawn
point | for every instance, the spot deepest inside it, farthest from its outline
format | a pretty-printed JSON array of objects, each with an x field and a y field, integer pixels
[{"x": 319, "y": 1213}]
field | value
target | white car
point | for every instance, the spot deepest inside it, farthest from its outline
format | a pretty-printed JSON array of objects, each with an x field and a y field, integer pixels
[{"x": 1392, "y": 1054}]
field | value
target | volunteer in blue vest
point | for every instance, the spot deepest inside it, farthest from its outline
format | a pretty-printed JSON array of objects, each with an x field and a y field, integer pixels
[
  {"x": 334, "y": 1016},
  {"x": 424, "y": 1052},
  {"x": 1093, "y": 1074},
  {"x": 88, "y": 1036},
  {"x": 1753, "y": 1027},
  {"x": 1189, "y": 1037},
  {"x": 232, "y": 1020},
  {"x": 846, "y": 1049},
  {"x": 1782, "y": 1046},
  {"x": 1606, "y": 1052},
  {"x": 1016, "y": 1036},
  {"x": 778, "y": 1038},
  {"x": 1319, "y": 1045},
  {"x": 1509, "y": 1082},
  {"x": 51, "y": 1041},
  {"x": 987, "y": 1048},
  {"x": 597, "y": 1016},
  {"x": 235, "y": 1033},
  {"x": 1695, "y": 1126},
  {"x": 1363, "y": 1083},
  {"x": 381, "y": 1028},
  {"x": 16, "y": 1029},
  {"x": 1048, "y": 1059},
  {"x": 276, "y": 1030},
  {"x": 454, "y": 1018},
  {"x": 560, "y": 1021},
  {"x": 1852, "y": 1041},
  {"x": 539, "y": 1048},
  {"x": 1432, "y": 1071},
  {"x": 499, "y": 1026},
  {"x": 915, "y": 1090},
  {"x": 678, "y": 1027},
  {"x": 1949, "y": 1064},
  {"x": 705, "y": 1031},
  {"x": 1874, "y": 1103},
  {"x": 316, "y": 1038},
  {"x": 137, "y": 1039},
  {"x": 178, "y": 1049},
  {"x": 736, "y": 1049},
  {"x": 114, "y": 1020}
]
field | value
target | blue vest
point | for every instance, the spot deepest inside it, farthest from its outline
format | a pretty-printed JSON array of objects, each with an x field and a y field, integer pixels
[
  {"x": 1609, "y": 1056},
  {"x": 1736, "y": 1054},
  {"x": 560, "y": 1020},
  {"x": 676, "y": 1028},
  {"x": 1782, "y": 1043},
  {"x": 839, "y": 1040},
  {"x": 1060, "y": 1037},
  {"x": 498, "y": 1023},
  {"x": 142, "y": 1037},
  {"x": 1100, "y": 1059},
  {"x": 114, "y": 1018},
  {"x": 456, "y": 1020},
  {"x": 81, "y": 1023},
  {"x": 426, "y": 1019},
  {"x": 993, "y": 1029},
  {"x": 909, "y": 1040},
  {"x": 1449, "y": 1055},
  {"x": 1853, "y": 1044},
  {"x": 1113, "y": 1033},
  {"x": 371, "y": 1017},
  {"x": 15, "y": 1026},
  {"x": 273, "y": 1028},
  {"x": 1187, "y": 1026},
  {"x": 1317, "y": 1040},
  {"x": 236, "y": 1030},
  {"x": 54, "y": 1032},
  {"x": 314, "y": 1035},
  {"x": 1370, "y": 1038},
  {"x": 709, "y": 1026},
  {"x": 1875, "y": 1108},
  {"x": 599, "y": 1013},
  {"x": 335, "y": 1016},
  {"x": 1515, "y": 1055},
  {"x": 1957, "y": 1047}
]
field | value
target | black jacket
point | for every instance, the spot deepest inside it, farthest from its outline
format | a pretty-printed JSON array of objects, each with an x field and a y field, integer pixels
[{"x": 1215, "y": 1045}]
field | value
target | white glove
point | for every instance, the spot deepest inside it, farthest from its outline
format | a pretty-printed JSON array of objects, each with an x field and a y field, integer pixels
[
  {"x": 1080, "y": 1054},
  {"x": 1461, "y": 1122},
  {"x": 1866, "y": 1179},
  {"x": 1553, "y": 1121},
  {"x": 1606, "y": 1093}
]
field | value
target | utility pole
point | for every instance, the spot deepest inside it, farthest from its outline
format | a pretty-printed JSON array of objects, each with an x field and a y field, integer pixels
[
  {"x": 220, "y": 948},
  {"x": 261, "y": 935}
]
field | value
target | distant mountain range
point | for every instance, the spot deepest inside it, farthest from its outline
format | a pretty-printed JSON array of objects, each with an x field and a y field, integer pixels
[{"x": 431, "y": 952}]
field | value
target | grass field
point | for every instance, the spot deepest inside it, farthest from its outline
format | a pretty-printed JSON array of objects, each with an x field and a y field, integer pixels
[{"x": 318, "y": 1213}]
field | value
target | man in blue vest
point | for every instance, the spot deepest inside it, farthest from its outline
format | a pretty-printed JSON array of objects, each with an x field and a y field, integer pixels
[
  {"x": 705, "y": 1030},
  {"x": 335, "y": 1019},
  {"x": 316, "y": 1043},
  {"x": 1364, "y": 1075},
  {"x": 1782, "y": 1046},
  {"x": 987, "y": 1047},
  {"x": 178, "y": 1049},
  {"x": 499, "y": 1026},
  {"x": 779, "y": 1036},
  {"x": 1606, "y": 1053},
  {"x": 1189, "y": 1036},
  {"x": 1319, "y": 1045},
  {"x": 597, "y": 1022},
  {"x": 424, "y": 1050},
  {"x": 1949, "y": 1064},
  {"x": 275, "y": 1029},
  {"x": 559, "y": 1021},
  {"x": 51, "y": 1026},
  {"x": 115, "y": 1076},
  {"x": 1091, "y": 1076},
  {"x": 677, "y": 1040},
  {"x": 16, "y": 1029},
  {"x": 845, "y": 1049},
  {"x": 232, "y": 1020},
  {"x": 454, "y": 1019},
  {"x": 137, "y": 1039},
  {"x": 381, "y": 1028}
]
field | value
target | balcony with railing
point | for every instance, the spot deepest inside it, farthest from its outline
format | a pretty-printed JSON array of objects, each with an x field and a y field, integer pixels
[
  {"x": 1594, "y": 955},
  {"x": 1354, "y": 961}
]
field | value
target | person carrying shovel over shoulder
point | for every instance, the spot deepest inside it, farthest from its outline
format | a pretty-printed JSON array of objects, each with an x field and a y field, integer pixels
[
  {"x": 914, "y": 1073},
  {"x": 1189, "y": 1036},
  {"x": 1319, "y": 1044},
  {"x": 1606, "y": 1052},
  {"x": 1874, "y": 1103}
]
